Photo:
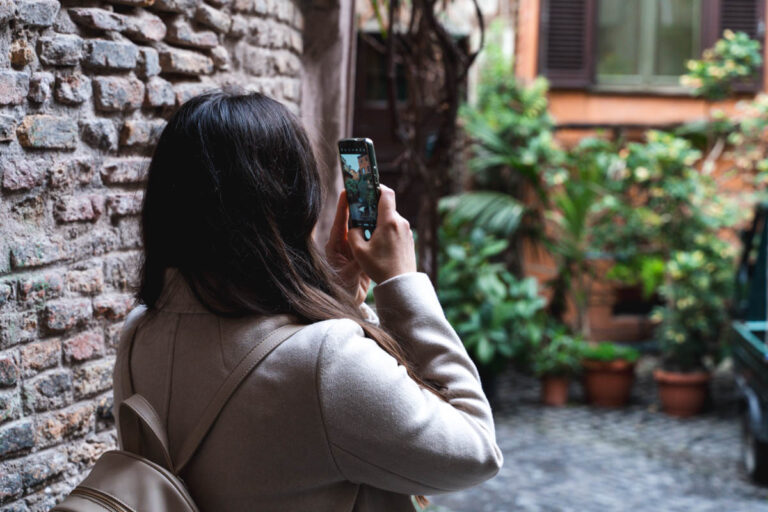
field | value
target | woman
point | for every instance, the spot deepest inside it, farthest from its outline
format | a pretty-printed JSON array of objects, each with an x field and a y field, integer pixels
[{"x": 353, "y": 412}]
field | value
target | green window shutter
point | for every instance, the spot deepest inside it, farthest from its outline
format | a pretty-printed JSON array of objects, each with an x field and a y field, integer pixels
[{"x": 566, "y": 42}]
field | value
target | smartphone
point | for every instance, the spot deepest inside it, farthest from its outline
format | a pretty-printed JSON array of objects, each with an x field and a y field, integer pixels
[{"x": 361, "y": 181}]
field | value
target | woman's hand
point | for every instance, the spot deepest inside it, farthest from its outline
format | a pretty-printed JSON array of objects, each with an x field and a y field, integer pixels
[
  {"x": 390, "y": 251},
  {"x": 339, "y": 254}
]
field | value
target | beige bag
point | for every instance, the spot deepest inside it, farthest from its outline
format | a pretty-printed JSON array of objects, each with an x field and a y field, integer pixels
[{"x": 125, "y": 481}]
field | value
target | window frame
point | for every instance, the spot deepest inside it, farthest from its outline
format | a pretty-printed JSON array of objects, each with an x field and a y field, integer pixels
[
  {"x": 580, "y": 25},
  {"x": 646, "y": 80}
]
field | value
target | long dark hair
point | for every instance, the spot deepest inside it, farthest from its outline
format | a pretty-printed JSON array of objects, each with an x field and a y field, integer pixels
[{"x": 232, "y": 197}]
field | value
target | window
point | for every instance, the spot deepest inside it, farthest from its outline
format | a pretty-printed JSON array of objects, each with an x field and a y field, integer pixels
[
  {"x": 636, "y": 44},
  {"x": 646, "y": 42}
]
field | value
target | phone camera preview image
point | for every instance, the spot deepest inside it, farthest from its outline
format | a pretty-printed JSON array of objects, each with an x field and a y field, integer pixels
[{"x": 361, "y": 183}]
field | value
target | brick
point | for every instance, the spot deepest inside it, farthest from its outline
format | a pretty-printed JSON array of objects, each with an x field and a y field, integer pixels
[
  {"x": 49, "y": 390},
  {"x": 297, "y": 42},
  {"x": 72, "y": 89},
  {"x": 104, "y": 407},
  {"x": 292, "y": 90},
  {"x": 40, "y": 287},
  {"x": 259, "y": 32},
  {"x": 93, "y": 378},
  {"x": 180, "y": 32},
  {"x": 133, "y": 3},
  {"x": 148, "y": 63},
  {"x": 120, "y": 271},
  {"x": 113, "y": 307},
  {"x": 159, "y": 93},
  {"x": 144, "y": 27},
  {"x": 243, "y": 6},
  {"x": 85, "y": 453},
  {"x": 287, "y": 64},
  {"x": 130, "y": 232},
  {"x": 186, "y": 91},
  {"x": 40, "y": 355},
  {"x": 76, "y": 209},
  {"x": 263, "y": 8},
  {"x": 23, "y": 174},
  {"x": 84, "y": 346},
  {"x": 9, "y": 371},
  {"x": 63, "y": 24},
  {"x": 40, "y": 87},
  {"x": 63, "y": 315},
  {"x": 14, "y": 86},
  {"x": 11, "y": 486},
  {"x": 116, "y": 93},
  {"x": 10, "y": 406},
  {"x": 105, "y": 240},
  {"x": 7, "y": 128},
  {"x": 139, "y": 132},
  {"x": 99, "y": 133},
  {"x": 221, "y": 59},
  {"x": 110, "y": 55},
  {"x": 63, "y": 425},
  {"x": 21, "y": 53},
  {"x": 214, "y": 18},
  {"x": 16, "y": 437},
  {"x": 7, "y": 12},
  {"x": 120, "y": 205},
  {"x": 185, "y": 62},
  {"x": 40, "y": 468},
  {"x": 61, "y": 50},
  {"x": 35, "y": 253},
  {"x": 180, "y": 6},
  {"x": 37, "y": 13},
  {"x": 47, "y": 132},
  {"x": 125, "y": 170},
  {"x": 255, "y": 60},
  {"x": 284, "y": 11},
  {"x": 239, "y": 26},
  {"x": 6, "y": 293},
  {"x": 87, "y": 282},
  {"x": 98, "y": 19},
  {"x": 17, "y": 328}
]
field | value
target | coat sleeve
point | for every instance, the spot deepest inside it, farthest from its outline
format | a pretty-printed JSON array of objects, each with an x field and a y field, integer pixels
[{"x": 386, "y": 431}]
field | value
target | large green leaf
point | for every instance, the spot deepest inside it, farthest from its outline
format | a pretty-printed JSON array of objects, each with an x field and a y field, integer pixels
[{"x": 495, "y": 212}]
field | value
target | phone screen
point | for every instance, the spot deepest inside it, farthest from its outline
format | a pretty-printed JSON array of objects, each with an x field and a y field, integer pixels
[{"x": 361, "y": 181}]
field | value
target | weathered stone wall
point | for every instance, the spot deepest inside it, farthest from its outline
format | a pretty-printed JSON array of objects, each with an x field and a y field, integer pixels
[{"x": 85, "y": 86}]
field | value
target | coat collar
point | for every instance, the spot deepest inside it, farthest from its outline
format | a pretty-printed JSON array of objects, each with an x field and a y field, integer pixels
[{"x": 177, "y": 296}]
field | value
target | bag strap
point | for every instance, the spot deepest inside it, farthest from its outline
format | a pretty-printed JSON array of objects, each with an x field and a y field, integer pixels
[
  {"x": 227, "y": 389},
  {"x": 135, "y": 411}
]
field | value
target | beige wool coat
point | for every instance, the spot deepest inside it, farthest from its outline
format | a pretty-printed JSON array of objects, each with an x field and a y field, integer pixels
[{"x": 328, "y": 421}]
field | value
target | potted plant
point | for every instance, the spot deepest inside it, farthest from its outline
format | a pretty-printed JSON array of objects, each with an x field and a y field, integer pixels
[
  {"x": 691, "y": 323},
  {"x": 608, "y": 373},
  {"x": 555, "y": 359},
  {"x": 495, "y": 314}
]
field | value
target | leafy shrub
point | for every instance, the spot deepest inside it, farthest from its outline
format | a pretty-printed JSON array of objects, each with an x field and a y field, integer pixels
[
  {"x": 558, "y": 353},
  {"x": 733, "y": 58},
  {"x": 607, "y": 351},
  {"x": 496, "y": 315}
]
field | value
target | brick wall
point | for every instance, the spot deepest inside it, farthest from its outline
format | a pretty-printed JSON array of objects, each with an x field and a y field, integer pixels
[{"x": 85, "y": 87}]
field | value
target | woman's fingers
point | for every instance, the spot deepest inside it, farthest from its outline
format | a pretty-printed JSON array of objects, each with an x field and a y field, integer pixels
[{"x": 390, "y": 250}]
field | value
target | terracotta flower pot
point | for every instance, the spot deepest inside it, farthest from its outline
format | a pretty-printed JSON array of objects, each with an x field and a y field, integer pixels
[
  {"x": 608, "y": 383},
  {"x": 682, "y": 394},
  {"x": 554, "y": 390}
]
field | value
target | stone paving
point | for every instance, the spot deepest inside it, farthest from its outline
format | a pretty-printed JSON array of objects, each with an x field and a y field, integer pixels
[{"x": 584, "y": 459}]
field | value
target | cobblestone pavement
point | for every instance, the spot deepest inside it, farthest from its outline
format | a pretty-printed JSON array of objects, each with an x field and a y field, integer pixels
[{"x": 584, "y": 459}]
